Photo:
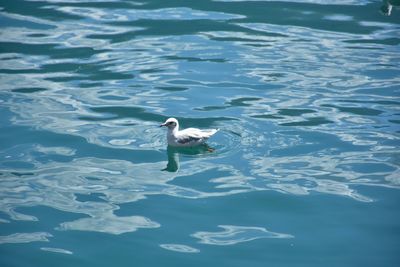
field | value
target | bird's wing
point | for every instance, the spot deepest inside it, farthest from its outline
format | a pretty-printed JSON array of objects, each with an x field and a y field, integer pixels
[
  {"x": 188, "y": 139},
  {"x": 197, "y": 133}
]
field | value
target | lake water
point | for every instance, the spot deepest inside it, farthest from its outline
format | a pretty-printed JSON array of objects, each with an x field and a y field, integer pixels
[{"x": 305, "y": 170}]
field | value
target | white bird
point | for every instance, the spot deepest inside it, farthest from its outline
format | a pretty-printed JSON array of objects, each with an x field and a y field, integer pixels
[{"x": 187, "y": 137}]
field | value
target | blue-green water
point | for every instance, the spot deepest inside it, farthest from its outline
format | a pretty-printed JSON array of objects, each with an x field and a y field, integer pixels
[{"x": 305, "y": 169}]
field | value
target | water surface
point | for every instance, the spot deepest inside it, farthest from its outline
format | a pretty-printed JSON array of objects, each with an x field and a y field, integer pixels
[{"x": 304, "y": 171}]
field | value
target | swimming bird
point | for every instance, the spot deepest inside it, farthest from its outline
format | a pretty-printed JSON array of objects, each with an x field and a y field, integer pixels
[{"x": 188, "y": 137}]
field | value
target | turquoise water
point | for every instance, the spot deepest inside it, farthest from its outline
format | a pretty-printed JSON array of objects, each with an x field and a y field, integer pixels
[{"x": 304, "y": 171}]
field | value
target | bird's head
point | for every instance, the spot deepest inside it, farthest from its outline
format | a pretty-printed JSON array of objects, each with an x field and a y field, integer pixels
[{"x": 171, "y": 123}]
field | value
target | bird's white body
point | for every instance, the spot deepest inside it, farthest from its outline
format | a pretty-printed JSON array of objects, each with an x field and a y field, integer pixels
[{"x": 188, "y": 137}]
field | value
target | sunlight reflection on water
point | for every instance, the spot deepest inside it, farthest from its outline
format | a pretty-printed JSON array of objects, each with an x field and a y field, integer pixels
[{"x": 303, "y": 108}]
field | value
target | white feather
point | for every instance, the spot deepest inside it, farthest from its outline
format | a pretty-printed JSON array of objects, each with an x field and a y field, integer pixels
[{"x": 187, "y": 137}]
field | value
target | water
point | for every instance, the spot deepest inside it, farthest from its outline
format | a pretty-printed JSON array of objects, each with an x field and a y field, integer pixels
[{"x": 305, "y": 170}]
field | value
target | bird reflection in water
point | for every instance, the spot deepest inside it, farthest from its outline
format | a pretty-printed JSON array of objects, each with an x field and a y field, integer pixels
[{"x": 174, "y": 152}]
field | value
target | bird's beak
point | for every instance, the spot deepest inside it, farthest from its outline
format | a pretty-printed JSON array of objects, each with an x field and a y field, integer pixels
[{"x": 161, "y": 125}]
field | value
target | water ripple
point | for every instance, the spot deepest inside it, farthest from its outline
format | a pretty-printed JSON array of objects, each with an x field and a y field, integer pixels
[
  {"x": 118, "y": 15},
  {"x": 232, "y": 235},
  {"x": 179, "y": 248},
  {"x": 109, "y": 223},
  {"x": 57, "y": 250},
  {"x": 25, "y": 237},
  {"x": 306, "y": 101}
]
